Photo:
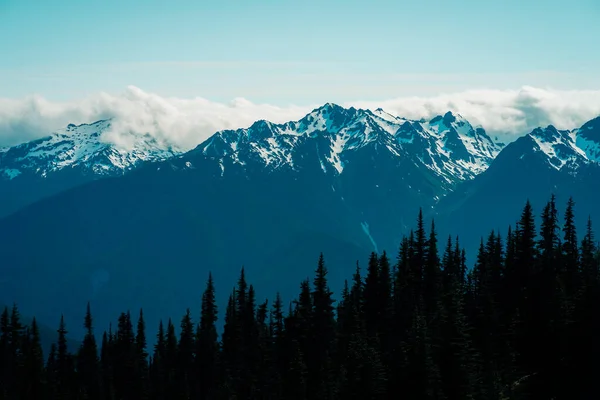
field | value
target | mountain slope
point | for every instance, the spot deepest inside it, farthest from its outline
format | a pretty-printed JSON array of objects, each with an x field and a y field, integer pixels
[
  {"x": 447, "y": 145},
  {"x": 544, "y": 162},
  {"x": 270, "y": 197},
  {"x": 67, "y": 158}
]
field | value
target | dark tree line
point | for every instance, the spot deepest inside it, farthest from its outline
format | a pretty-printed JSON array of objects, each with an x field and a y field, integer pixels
[{"x": 521, "y": 324}]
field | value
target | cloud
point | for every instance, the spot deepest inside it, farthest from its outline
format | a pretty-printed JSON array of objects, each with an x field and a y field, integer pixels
[
  {"x": 505, "y": 113},
  {"x": 187, "y": 122}
]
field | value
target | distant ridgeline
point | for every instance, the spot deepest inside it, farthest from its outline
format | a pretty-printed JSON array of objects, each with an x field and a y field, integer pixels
[{"x": 523, "y": 323}]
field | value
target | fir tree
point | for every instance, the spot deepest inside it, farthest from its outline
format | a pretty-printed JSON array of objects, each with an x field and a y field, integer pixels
[
  {"x": 185, "y": 356},
  {"x": 64, "y": 365},
  {"x": 207, "y": 346},
  {"x": 141, "y": 358},
  {"x": 323, "y": 324},
  {"x": 158, "y": 370},
  {"x": 87, "y": 361},
  {"x": 34, "y": 387}
]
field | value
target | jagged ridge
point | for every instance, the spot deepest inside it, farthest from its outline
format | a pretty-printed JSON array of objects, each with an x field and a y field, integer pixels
[
  {"x": 448, "y": 145},
  {"x": 80, "y": 146}
]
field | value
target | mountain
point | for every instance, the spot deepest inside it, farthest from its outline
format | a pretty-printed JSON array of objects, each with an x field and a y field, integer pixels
[
  {"x": 447, "y": 145},
  {"x": 67, "y": 158},
  {"x": 546, "y": 161},
  {"x": 270, "y": 197}
]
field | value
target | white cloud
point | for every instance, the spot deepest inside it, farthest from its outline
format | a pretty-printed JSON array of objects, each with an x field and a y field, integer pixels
[
  {"x": 187, "y": 122},
  {"x": 506, "y": 113}
]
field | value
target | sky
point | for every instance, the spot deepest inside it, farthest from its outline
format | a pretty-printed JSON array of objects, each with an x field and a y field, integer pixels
[{"x": 286, "y": 56}]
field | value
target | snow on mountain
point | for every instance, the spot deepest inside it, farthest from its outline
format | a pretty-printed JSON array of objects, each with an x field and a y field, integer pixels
[
  {"x": 588, "y": 139},
  {"x": 83, "y": 147},
  {"x": 564, "y": 149},
  {"x": 448, "y": 145}
]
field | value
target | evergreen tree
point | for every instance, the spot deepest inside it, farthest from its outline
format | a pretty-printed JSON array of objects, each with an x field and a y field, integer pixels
[
  {"x": 230, "y": 349},
  {"x": 170, "y": 364},
  {"x": 158, "y": 370},
  {"x": 34, "y": 387},
  {"x": 207, "y": 346},
  {"x": 456, "y": 358},
  {"x": 321, "y": 375},
  {"x": 185, "y": 357},
  {"x": 385, "y": 304},
  {"x": 141, "y": 358},
  {"x": 64, "y": 365},
  {"x": 570, "y": 250},
  {"x": 521, "y": 324},
  {"x": 372, "y": 295},
  {"x": 87, "y": 362}
]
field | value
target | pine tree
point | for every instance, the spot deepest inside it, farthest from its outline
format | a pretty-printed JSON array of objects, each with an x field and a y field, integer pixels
[
  {"x": 320, "y": 364},
  {"x": 264, "y": 353},
  {"x": 34, "y": 366},
  {"x": 372, "y": 295},
  {"x": 385, "y": 304},
  {"x": 64, "y": 364},
  {"x": 456, "y": 361},
  {"x": 420, "y": 253},
  {"x": 570, "y": 249},
  {"x": 158, "y": 370},
  {"x": 207, "y": 346},
  {"x": 141, "y": 359},
  {"x": 87, "y": 361},
  {"x": 230, "y": 349},
  {"x": 125, "y": 369},
  {"x": 170, "y": 364},
  {"x": 432, "y": 275},
  {"x": 185, "y": 356}
]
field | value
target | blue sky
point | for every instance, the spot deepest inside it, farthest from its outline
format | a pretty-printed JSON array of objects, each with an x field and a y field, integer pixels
[{"x": 307, "y": 51}]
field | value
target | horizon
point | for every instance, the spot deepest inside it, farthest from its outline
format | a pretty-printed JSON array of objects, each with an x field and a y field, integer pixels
[{"x": 186, "y": 122}]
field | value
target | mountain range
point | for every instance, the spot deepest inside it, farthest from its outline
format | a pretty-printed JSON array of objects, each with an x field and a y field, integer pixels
[{"x": 84, "y": 219}]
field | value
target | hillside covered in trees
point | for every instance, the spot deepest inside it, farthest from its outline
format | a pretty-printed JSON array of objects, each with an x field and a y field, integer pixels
[{"x": 522, "y": 323}]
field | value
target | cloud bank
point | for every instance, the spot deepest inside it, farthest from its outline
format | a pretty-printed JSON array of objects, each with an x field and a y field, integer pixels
[{"x": 185, "y": 123}]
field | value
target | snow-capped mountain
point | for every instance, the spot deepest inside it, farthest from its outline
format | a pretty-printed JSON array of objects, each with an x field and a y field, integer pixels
[
  {"x": 79, "y": 147},
  {"x": 344, "y": 182},
  {"x": 563, "y": 150},
  {"x": 430, "y": 157},
  {"x": 70, "y": 157},
  {"x": 447, "y": 145}
]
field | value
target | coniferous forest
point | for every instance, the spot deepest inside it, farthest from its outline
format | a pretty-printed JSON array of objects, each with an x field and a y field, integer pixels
[{"x": 521, "y": 323}]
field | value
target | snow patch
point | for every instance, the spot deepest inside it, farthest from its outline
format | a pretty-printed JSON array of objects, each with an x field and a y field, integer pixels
[
  {"x": 365, "y": 228},
  {"x": 12, "y": 173}
]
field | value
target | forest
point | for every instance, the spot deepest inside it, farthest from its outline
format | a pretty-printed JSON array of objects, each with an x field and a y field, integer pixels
[{"x": 521, "y": 323}]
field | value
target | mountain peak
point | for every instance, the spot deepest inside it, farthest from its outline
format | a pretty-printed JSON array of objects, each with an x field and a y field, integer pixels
[
  {"x": 329, "y": 107},
  {"x": 82, "y": 147},
  {"x": 557, "y": 145},
  {"x": 449, "y": 118},
  {"x": 448, "y": 146}
]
